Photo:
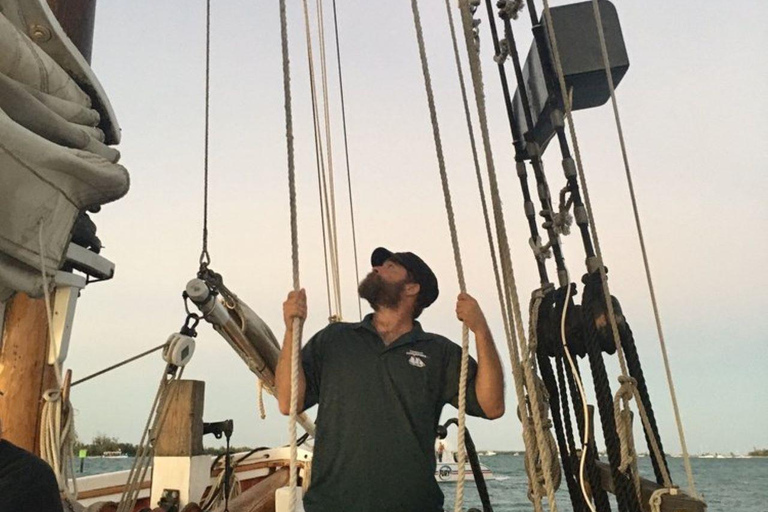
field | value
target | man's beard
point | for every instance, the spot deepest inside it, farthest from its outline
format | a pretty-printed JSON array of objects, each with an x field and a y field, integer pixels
[{"x": 379, "y": 293}]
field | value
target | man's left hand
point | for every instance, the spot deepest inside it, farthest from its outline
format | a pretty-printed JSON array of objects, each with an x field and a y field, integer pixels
[{"x": 469, "y": 312}]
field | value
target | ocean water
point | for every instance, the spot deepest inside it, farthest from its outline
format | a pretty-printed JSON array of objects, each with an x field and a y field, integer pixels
[{"x": 728, "y": 485}]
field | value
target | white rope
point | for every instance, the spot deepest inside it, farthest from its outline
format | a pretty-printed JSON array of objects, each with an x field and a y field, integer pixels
[
  {"x": 478, "y": 174},
  {"x": 646, "y": 262},
  {"x": 145, "y": 448},
  {"x": 334, "y": 246},
  {"x": 296, "y": 327},
  {"x": 324, "y": 158},
  {"x": 593, "y": 229},
  {"x": 462, "y": 455},
  {"x": 583, "y": 484},
  {"x": 57, "y": 423},
  {"x": 260, "y": 395},
  {"x": 346, "y": 157},
  {"x": 656, "y": 498},
  {"x": 507, "y": 273}
]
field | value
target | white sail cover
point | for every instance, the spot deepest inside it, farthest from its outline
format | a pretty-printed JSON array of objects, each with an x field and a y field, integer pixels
[{"x": 53, "y": 162}]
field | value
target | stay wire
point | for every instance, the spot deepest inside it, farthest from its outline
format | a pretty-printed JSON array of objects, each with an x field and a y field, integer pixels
[{"x": 205, "y": 257}]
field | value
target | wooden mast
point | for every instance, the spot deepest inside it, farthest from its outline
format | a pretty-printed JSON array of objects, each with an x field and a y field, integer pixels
[{"x": 24, "y": 369}]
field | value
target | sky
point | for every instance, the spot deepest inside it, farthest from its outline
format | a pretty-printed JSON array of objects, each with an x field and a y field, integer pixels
[{"x": 693, "y": 106}]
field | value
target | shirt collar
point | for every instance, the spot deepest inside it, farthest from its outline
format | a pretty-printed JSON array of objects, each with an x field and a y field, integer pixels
[{"x": 417, "y": 333}]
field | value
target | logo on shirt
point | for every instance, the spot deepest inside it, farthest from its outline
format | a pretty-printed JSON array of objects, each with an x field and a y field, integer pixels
[{"x": 416, "y": 358}]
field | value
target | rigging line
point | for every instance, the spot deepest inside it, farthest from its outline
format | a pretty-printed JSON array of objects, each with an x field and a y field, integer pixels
[
  {"x": 320, "y": 162},
  {"x": 117, "y": 365},
  {"x": 507, "y": 269},
  {"x": 329, "y": 152},
  {"x": 205, "y": 257},
  {"x": 585, "y": 408},
  {"x": 476, "y": 162},
  {"x": 593, "y": 228},
  {"x": 582, "y": 178},
  {"x": 459, "y": 501},
  {"x": 346, "y": 156},
  {"x": 296, "y": 327},
  {"x": 646, "y": 260}
]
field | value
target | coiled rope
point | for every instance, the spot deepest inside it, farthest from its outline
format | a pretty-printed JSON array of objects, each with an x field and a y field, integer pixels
[
  {"x": 646, "y": 262},
  {"x": 296, "y": 327},
  {"x": 459, "y": 501}
]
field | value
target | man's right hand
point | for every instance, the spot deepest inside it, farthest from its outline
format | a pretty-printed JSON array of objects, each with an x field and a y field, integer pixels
[{"x": 295, "y": 307}]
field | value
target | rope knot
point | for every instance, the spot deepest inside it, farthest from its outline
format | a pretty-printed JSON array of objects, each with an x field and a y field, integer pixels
[
  {"x": 510, "y": 9},
  {"x": 540, "y": 251},
  {"x": 623, "y": 419},
  {"x": 503, "y": 54}
]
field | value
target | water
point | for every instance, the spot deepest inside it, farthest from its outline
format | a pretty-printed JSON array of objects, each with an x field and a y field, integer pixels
[{"x": 728, "y": 485}]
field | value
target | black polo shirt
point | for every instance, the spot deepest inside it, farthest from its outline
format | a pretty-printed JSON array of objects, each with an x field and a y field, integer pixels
[
  {"x": 27, "y": 483},
  {"x": 379, "y": 407}
]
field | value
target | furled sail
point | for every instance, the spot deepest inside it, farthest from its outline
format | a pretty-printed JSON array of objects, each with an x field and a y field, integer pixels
[{"x": 54, "y": 162}]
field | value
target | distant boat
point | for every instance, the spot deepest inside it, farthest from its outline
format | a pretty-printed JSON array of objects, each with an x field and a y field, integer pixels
[
  {"x": 449, "y": 472},
  {"x": 489, "y": 453},
  {"x": 116, "y": 454}
]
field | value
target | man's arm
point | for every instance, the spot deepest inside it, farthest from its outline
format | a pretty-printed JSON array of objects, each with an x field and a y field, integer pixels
[
  {"x": 489, "y": 381},
  {"x": 294, "y": 307}
]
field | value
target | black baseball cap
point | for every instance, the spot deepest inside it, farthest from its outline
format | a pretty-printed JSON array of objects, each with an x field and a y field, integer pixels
[{"x": 422, "y": 274}]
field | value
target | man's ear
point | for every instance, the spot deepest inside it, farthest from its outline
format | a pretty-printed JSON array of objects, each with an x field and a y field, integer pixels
[{"x": 412, "y": 289}]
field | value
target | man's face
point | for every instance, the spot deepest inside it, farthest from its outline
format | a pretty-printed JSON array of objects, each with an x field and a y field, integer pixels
[{"x": 384, "y": 286}]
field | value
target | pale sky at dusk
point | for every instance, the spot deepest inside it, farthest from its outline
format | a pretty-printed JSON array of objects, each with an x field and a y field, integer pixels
[{"x": 693, "y": 105}]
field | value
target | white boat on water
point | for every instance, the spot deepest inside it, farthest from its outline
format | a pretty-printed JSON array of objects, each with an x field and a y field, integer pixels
[
  {"x": 449, "y": 472},
  {"x": 116, "y": 454},
  {"x": 489, "y": 453}
]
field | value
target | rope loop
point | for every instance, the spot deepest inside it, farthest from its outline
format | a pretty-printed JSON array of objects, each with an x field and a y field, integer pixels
[
  {"x": 510, "y": 9},
  {"x": 503, "y": 53},
  {"x": 656, "y": 498},
  {"x": 540, "y": 251},
  {"x": 623, "y": 418}
]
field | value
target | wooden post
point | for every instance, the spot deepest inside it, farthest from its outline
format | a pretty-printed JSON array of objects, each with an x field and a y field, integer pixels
[
  {"x": 179, "y": 463},
  {"x": 24, "y": 370},
  {"x": 181, "y": 434}
]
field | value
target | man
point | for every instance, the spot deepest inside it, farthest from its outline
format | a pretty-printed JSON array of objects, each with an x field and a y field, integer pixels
[
  {"x": 27, "y": 483},
  {"x": 381, "y": 385}
]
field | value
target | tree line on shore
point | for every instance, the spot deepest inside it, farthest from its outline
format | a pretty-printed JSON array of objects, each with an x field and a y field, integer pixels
[{"x": 103, "y": 443}]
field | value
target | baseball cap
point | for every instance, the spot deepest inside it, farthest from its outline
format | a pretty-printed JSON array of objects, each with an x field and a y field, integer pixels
[{"x": 422, "y": 274}]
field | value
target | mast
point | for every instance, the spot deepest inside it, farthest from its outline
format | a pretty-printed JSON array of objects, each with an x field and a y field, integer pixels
[{"x": 24, "y": 343}]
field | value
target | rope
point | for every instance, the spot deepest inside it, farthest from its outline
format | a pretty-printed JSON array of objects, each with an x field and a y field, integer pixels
[
  {"x": 507, "y": 270},
  {"x": 296, "y": 328},
  {"x": 205, "y": 258},
  {"x": 592, "y": 225},
  {"x": 322, "y": 190},
  {"x": 331, "y": 210},
  {"x": 324, "y": 171},
  {"x": 656, "y": 498},
  {"x": 145, "y": 449},
  {"x": 478, "y": 174},
  {"x": 459, "y": 501},
  {"x": 260, "y": 395},
  {"x": 646, "y": 263},
  {"x": 56, "y": 425},
  {"x": 346, "y": 156},
  {"x": 117, "y": 365}
]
